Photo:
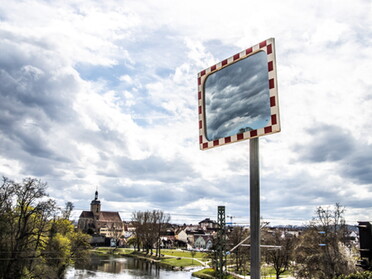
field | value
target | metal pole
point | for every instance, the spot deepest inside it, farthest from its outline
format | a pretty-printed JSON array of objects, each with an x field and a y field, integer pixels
[{"x": 255, "y": 207}]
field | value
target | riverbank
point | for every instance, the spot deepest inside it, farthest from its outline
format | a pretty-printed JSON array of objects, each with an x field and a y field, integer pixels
[
  {"x": 103, "y": 266},
  {"x": 170, "y": 258},
  {"x": 209, "y": 273},
  {"x": 174, "y": 259}
]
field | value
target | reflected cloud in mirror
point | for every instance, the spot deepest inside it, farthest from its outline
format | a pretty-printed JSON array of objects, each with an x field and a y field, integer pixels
[{"x": 237, "y": 98}]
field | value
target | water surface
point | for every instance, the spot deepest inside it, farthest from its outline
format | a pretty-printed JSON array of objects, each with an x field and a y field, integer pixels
[{"x": 101, "y": 267}]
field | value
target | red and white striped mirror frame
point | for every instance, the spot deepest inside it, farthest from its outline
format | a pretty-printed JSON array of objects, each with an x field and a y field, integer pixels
[{"x": 268, "y": 46}]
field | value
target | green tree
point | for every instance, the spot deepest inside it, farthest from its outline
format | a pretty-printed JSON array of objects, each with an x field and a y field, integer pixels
[
  {"x": 192, "y": 253},
  {"x": 25, "y": 212},
  {"x": 63, "y": 247},
  {"x": 33, "y": 243}
]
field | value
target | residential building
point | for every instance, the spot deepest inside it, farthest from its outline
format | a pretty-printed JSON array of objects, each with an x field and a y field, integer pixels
[{"x": 208, "y": 224}]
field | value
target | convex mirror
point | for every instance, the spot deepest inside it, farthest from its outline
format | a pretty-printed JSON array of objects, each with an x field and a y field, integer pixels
[{"x": 238, "y": 97}]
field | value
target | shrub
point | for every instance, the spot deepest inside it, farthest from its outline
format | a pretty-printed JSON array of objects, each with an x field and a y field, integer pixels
[{"x": 358, "y": 275}]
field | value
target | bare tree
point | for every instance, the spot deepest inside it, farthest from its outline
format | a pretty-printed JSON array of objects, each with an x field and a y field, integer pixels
[
  {"x": 139, "y": 222},
  {"x": 161, "y": 220},
  {"x": 320, "y": 252},
  {"x": 281, "y": 257},
  {"x": 240, "y": 255},
  {"x": 66, "y": 213},
  {"x": 149, "y": 226}
]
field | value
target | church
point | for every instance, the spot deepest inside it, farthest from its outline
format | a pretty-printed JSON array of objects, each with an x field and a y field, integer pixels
[{"x": 97, "y": 222}]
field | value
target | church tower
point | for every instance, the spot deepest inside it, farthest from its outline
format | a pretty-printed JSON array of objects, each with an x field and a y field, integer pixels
[{"x": 95, "y": 205}]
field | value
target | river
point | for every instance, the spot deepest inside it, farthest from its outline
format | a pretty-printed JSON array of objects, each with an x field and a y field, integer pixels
[{"x": 110, "y": 267}]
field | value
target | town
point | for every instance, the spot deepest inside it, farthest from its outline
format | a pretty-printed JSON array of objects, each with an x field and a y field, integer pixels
[
  {"x": 34, "y": 227},
  {"x": 152, "y": 230}
]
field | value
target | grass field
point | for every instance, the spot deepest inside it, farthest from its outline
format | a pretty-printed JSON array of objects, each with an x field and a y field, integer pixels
[
  {"x": 179, "y": 262},
  {"x": 184, "y": 254},
  {"x": 208, "y": 273}
]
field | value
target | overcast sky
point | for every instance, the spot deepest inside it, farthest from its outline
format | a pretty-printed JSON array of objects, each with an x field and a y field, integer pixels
[
  {"x": 103, "y": 94},
  {"x": 237, "y": 97}
]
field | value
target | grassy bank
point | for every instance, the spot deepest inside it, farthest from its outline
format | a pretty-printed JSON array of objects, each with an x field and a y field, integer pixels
[
  {"x": 208, "y": 273},
  {"x": 174, "y": 259},
  {"x": 177, "y": 259},
  {"x": 111, "y": 251}
]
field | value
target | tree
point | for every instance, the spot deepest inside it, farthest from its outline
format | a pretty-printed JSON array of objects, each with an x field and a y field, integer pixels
[
  {"x": 66, "y": 213},
  {"x": 215, "y": 257},
  {"x": 141, "y": 221},
  {"x": 240, "y": 255},
  {"x": 358, "y": 275},
  {"x": 320, "y": 252},
  {"x": 193, "y": 253},
  {"x": 33, "y": 242},
  {"x": 160, "y": 222},
  {"x": 132, "y": 241},
  {"x": 64, "y": 245},
  {"x": 281, "y": 257},
  {"x": 25, "y": 212},
  {"x": 149, "y": 226}
]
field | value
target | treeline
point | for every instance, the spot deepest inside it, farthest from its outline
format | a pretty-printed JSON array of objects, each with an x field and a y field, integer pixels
[
  {"x": 321, "y": 250},
  {"x": 34, "y": 243},
  {"x": 149, "y": 226}
]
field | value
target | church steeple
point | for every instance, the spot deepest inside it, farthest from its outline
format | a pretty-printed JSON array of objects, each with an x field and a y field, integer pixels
[{"x": 95, "y": 205}]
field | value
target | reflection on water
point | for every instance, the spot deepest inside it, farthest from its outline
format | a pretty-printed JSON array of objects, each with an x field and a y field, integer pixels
[{"x": 112, "y": 267}]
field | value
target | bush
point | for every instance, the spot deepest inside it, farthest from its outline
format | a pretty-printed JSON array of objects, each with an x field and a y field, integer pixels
[{"x": 358, "y": 275}]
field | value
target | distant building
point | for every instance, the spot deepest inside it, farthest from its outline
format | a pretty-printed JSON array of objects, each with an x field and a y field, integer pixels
[
  {"x": 105, "y": 223},
  {"x": 203, "y": 241},
  {"x": 208, "y": 224}
]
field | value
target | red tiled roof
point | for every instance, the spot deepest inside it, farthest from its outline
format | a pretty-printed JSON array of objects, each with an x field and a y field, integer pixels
[
  {"x": 109, "y": 216},
  {"x": 104, "y": 216},
  {"x": 86, "y": 214}
]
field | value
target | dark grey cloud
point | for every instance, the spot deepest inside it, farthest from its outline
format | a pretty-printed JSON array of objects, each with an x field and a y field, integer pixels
[
  {"x": 358, "y": 166},
  {"x": 334, "y": 144},
  {"x": 170, "y": 196},
  {"x": 155, "y": 168},
  {"x": 38, "y": 93},
  {"x": 36, "y": 97},
  {"x": 330, "y": 143},
  {"x": 237, "y": 96}
]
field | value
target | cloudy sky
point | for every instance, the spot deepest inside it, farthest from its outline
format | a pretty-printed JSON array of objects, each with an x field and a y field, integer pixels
[
  {"x": 103, "y": 94},
  {"x": 237, "y": 97}
]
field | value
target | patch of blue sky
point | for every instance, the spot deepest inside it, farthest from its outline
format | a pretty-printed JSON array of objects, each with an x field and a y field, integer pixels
[
  {"x": 161, "y": 48},
  {"x": 220, "y": 50},
  {"x": 164, "y": 72},
  {"x": 111, "y": 75},
  {"x": 145, "y": 114}
]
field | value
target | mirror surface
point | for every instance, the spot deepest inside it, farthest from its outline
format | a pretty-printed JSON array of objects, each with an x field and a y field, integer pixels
[{"x": 237, "y": 98}]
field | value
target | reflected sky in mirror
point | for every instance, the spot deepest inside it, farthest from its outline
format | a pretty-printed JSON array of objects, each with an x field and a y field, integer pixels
[{"x": 237, "y": 98}]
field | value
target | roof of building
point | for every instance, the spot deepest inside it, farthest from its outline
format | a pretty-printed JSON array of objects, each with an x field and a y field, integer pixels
[
  {"x": 104, "y": 216},
  {"x": 207, "y": 220},
  {"x": 109, "y": 216},
  {"x": 86, "y": 214}
]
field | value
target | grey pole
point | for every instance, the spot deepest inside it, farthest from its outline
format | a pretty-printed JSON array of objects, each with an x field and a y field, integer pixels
[{"x": 255, "y": 207}]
